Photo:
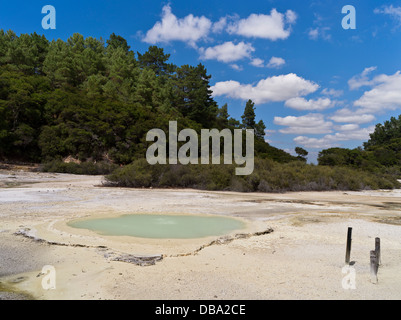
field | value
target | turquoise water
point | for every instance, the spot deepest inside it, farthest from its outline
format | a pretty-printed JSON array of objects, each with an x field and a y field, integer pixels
[{"x": 161, "y": 226}]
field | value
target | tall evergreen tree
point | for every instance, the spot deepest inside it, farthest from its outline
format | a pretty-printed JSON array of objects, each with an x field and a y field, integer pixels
[
  {"x": 193, "y": 97},
  {"x": 384, "y": 133},
  {"x": 122, "y": 72},
  {"x": 115, "y": 42},
  {"x": 248, "y": 118},
  {"x": 156, "y": 59},
  {"x": 249, "y": 122},
  {"x": 260, "y": 128},
  {"x": 223, "y": 116}
]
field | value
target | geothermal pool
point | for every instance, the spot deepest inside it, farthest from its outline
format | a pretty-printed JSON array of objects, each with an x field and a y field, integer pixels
[{"x": 158, "y": 226}]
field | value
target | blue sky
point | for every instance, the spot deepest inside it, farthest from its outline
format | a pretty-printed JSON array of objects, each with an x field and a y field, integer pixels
[{"x": 315, "y": 84}]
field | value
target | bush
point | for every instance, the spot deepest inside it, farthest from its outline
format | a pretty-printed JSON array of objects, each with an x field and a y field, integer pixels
[
  {"x": 268, "y": 176},
  {"x": 84, "y": 168}
]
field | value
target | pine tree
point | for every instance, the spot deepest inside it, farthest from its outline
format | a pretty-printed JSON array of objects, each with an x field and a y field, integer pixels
[
  {"x": 302, "y": 153},
  {"x": 193, "y": 97},
  {"x": 222, "y": 115},
  {"x": 156, "y": 59},
  {"x": 248, "y": 118},
  {"x": 115, "y": 42},
  {"x": 260, "y": 128}
]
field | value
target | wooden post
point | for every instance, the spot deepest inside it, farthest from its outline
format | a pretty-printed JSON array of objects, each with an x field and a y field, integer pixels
[
  {"x": 373, "y": 266},
  {"x": 348, "y": 249},
  {"x": 377, "y": 249}
]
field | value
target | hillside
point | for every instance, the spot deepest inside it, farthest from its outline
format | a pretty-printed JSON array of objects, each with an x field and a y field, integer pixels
[{"x": 95, "y": 100}]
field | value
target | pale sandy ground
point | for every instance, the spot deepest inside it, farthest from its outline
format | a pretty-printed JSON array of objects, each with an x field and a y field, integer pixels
[{"x": 302, "y": 259}]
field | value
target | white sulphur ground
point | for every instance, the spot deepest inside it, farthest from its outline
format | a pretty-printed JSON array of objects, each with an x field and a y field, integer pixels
[{"x": 302, "y": 259}]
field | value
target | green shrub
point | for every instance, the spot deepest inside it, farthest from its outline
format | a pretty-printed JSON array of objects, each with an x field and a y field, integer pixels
[
  {"x": 268, "y": 176},
  {"x": 84, "y": 168}
]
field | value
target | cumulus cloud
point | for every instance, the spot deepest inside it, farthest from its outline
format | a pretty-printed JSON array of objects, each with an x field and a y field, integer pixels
[
  {"x": 386, "y": 94},
  {"x": 332, "y": 92},
  {"x": 227, "y": 52},
  {"x": 316, "y": 143},
  {"x": 273, "y": 27},
  {"x": 346, "y": 115},
  {"x": 276, "y": 62},
  {"x": 256, "y": 62},
  {"x": 313, "y": 123},
  {"x": 332, "y": 140},
  {"x": 347, "y": 127},
  {"x": 290, "y": 17},
  {"x": 361, "y": 80},
  {"x": 276, "y": 88},
  {"x": 219, "y": 25},
  {"x": 299, "y": 103},
  {"x": 188, "y": 29},
  {"x": 236, "y": 67}
]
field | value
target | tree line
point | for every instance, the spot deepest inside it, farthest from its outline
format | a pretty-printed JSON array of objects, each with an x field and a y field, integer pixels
[
  {"x": 382, "y": 152},
  {"x": 95, "y": 100}
]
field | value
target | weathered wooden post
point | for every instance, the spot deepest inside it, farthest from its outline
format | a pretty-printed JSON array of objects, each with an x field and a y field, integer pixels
[
  {"x": 348, "y": 249},
  {"x": 373, "y": 266},
  {"x": 377, "y": 249}
]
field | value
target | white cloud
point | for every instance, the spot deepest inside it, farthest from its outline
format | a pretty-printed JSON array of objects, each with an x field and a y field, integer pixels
[
  {"x": 319, "y": 32},
  {"x": 219, "y": 25},
  {"x": 394, "y": 12},
  {"x": 264, "y": 26},
  {"x": 313, "y": 34},
  {"x": 332, "y": 140},
  {"x": 276, "y": 88},
  {"x": 275, "y": 62},
  {"x": 315, "y": 143},
  {"x": 361, "y": 80},
  {"x": 258, "y": 62},
  {"x": 236, "y": 67},
  {"x": 290, "y": 17},
  {"x": 386, "y": 94},
  {"x": 313, "y": 123},
  {"x": 189, "y": 29},
  {"x": 227, "y": 52},
  {"x": 361, "y": 134},
  {"x": 347, "y": 127},
  {"x": 332, "y": 92},
  {"x": 346, "y": 115},
  {"x": 299, "y": 103}
]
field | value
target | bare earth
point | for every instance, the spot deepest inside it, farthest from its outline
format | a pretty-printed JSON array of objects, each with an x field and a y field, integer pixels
[{"x": 302, "y": 258}]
